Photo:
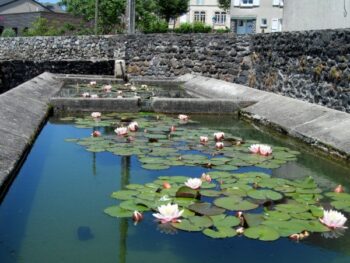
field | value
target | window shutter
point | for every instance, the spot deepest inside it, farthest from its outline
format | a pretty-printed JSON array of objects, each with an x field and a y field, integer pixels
[
  {"x": 274, "y": 24},
  {"x": 275, "y": 2},
  {"x": 237, "y": 2},
  {"x": 256, "y": 2}
]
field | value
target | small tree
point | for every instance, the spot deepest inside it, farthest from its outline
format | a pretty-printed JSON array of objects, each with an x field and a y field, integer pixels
[
  {"x": 171, "y": 9},
  {"x": 225, "y": 4},
  {"x": 8, "y": 32}
]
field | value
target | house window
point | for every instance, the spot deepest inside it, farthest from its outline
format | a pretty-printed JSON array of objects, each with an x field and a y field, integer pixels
[
  {"x": 199, "y": 16},
  {"x": 278, "y": 3},
  {"x": 247, "y": 2},
  {"x": 220, "y": 18},
  {"x": 263, "y": 22},
  {"x": 276, "y": 25},
  {"x": 200, "y": 2}
]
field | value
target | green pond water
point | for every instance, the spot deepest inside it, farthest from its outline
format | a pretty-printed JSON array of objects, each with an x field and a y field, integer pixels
[{"x": 54, "y": 210}]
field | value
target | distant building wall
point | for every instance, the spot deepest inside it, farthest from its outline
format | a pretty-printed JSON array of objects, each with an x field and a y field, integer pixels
[
  {"x": 316, "y": 14},
  {"x": 248, "y": 15},
  {"x": 21, "y": 7}
]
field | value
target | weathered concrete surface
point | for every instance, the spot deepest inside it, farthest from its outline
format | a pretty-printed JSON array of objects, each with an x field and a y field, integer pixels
[
  {"x": 106, "y": 104},
  {"x": 23, "y": 111},
  {"x": 169, "y": 105},
  {"x": 322, "y": 127}
]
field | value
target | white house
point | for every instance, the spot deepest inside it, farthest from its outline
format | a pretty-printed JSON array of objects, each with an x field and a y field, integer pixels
[
  {"x": 208, "y": 12},
  {"x": 316, "y": 14},
  {"x": 256, "y": 16}
]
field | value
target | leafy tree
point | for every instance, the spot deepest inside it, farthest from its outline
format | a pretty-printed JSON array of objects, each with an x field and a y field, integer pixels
[
  {"x": 172, "y": 8},
  {"x": 110, "y": 12},
  {"x": 225, "y": 4}
]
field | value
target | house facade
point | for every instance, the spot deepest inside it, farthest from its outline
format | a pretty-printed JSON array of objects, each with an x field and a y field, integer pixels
[
  {"x": 256, "y": 16},
  {"x": 20, "y": 14},
  {"x": 316, "y": 14},
  {"x": 207, "y": 12}
]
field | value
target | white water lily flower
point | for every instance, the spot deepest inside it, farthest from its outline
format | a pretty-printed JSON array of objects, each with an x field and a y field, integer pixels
[
  {"x": 168, "y": 213},
  {"x": 183, "y": 117},
  {"x": 94, "y": 96},
  {"x": 121, "y": 131},
  {"x": 144, "y": 86},
  {"x": 333, "y": 219},
  {"x": 193, "y": 183},
  {"x": 133, "y": 126},
  {"x": 107, "y": 88},
  {"x": 219, "y": 145},
  {"x": 203, "y": 139},
  {"x": 93, "y": 83},
  {"x": 96, "y": 115},
  {"x": 254, "y": 148},
  {"x": 85, "y": 95}
]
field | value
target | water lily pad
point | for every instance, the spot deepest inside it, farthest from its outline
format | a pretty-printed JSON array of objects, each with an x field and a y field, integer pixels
[
  {"x": 132, "y": 206},
  {"x": 202, "y": 221},
  {"x": 234, "y": 204},
  {"x": 286, "y": 228},
  {"x": 210, "y": 193},
  {"x": 155, "y": 166},
  {"x": 221, "y": 232},
  {"x": 265, "y": 195},
  {"x": 187, "y": 192},
  {"x": 124, "y": 194},
  {"x": 187, "y": 225},
  {"x": 263, "y": 233},
  {"x": 225, "y": 221},
  {"x": 206, "y": 209},
  {"x": 116, "y": 211}
]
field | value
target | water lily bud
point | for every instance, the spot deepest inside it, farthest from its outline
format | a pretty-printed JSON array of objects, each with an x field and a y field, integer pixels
[
  {"x": 240, "y": 230},
  {"x": 295, "y": 237},
  {"x": 206, "y": 177},
  {"x": 306, "y": 233},
  {"x": 172, "y": 128},
  {"x": 166, "y": 185},
  {"x": 96, "y": 134},
  {"x": 339, "y": 189},
  {"x": 137, "y": 216}
]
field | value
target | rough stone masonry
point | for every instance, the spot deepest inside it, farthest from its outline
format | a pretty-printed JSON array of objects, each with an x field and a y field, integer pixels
[{"x": 313, "y": 66}]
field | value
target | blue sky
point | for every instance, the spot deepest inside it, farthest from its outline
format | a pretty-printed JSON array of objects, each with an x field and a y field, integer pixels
[{"x": 48, "y": 1}]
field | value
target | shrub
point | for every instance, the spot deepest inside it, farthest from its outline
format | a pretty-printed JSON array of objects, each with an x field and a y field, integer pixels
[
  {"x": 196, "y": 27},
  {"x": 8, "y": 32},
  {"x": 226, "y": 30},
  {"x": 156, "y": 26},
  {"x": 184, "y": 28},
  {"x": 199, "y": 27}
]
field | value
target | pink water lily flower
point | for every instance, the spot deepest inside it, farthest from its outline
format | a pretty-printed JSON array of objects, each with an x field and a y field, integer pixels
[
  {"x": 218, "y": 136},
  {"x": 133, "y": 127},
  {"x": 219, "y": 145},
  {"x": 172, "y": 128},
  {"x": 121, "y": 131},
  {"x": 206, "y": 177},
  {"x": 168, "y": 213},
  {"x": 107, "y": 88},
  {"x": 203, "y": 139},
  {"x": 193, "y": 183},
  {"x": 137, "y": 216},
  {"x": 96, "y": 134},
  {"x": 96, "y": 115},
  {"x": 265, "y": 150},
  {"x": 333, "y": 219},
  {"x": 261, "y": 149},
  {"x": 85, "y": 95},
  {"x": 183, "y": 117}
]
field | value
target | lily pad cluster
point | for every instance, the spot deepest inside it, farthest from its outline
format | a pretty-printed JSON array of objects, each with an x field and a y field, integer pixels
[
  {"x": 159, "y": 146},
  {"x": 121, "y": 90},
  {"x": 267, "y": 208}
]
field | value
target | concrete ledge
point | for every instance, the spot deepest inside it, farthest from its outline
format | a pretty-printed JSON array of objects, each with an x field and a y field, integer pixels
[
  {"x": 23, "y": 111},
  {"x": 192, "y": 105},
  {"x": 82, "y": 104},
  {"x": 319, "y": 126}
]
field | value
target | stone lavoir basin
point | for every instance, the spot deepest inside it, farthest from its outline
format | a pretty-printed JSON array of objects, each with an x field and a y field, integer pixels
[{"x": 74, "y": 198}]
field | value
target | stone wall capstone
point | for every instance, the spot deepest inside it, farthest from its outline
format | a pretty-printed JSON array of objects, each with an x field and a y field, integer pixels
[{"x": 313, "y": 66}]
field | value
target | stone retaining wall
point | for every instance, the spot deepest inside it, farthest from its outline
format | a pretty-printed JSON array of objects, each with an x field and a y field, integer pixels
[{"x": 313, "y": 66}]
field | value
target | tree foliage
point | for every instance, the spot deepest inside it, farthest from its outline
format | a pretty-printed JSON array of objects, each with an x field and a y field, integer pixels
[
  {"x": 172, "y": 8},
  {"x": 225, "y": 4},
  {"x": 110, "y": 12}
]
